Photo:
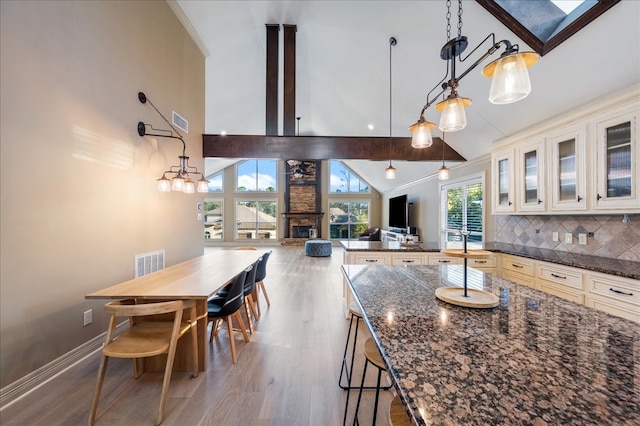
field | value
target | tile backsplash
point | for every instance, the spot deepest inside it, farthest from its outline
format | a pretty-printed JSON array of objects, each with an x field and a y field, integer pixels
[{"x": 611, "y": 237}]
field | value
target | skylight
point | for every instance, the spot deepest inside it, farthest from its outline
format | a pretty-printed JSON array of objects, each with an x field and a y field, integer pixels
[{"x": 544, "y": 24}]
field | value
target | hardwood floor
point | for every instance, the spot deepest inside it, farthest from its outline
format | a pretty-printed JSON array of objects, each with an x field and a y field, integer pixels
[{"x": 286, "y": 375}]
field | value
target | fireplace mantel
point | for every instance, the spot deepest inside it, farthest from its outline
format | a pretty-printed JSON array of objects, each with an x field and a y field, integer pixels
[{"x": 287, "y": 215}]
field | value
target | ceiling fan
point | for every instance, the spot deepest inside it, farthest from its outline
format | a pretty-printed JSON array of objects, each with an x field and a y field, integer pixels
[{"x": 299, "y": 169}]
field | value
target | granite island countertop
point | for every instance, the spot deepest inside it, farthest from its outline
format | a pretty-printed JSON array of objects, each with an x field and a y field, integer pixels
[
  {"x": 621, "y": 268},
  {"x": 534, "y": 359}
]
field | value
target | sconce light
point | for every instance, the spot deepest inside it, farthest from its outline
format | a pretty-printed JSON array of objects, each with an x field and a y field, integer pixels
[
  {"x": 177, "y": 178},
  {"x": 510, "y": 81}
]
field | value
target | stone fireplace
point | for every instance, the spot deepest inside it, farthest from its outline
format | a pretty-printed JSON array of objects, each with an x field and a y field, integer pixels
[{"x": 302, "y": 200}]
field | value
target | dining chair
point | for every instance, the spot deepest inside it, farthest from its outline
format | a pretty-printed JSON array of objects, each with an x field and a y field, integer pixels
[
  {"x": 261, "y": 274},
  {"x": 227, "y": 307},
  {"x": 249, "y": 291},
  {"x": 147, "y": 335}
]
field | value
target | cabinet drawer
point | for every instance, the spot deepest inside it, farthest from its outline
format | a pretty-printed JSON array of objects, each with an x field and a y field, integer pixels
[
  {"x": 489, "y": 262},
  {"x": 407, "y": 259},
  {"x": 516, "y": 264},
  {"x": 567, "y": 294},
  {"x": 613, "y": 307},
  {"x": 440, "y": 259},
  {"x": 519, "y": 278},
  {"x": 560, "y": 275},
  {"x": 615, "y": 288},
  {"x": 372, "y": 259}
]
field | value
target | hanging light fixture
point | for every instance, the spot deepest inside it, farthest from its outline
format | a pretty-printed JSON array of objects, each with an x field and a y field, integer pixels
[
  {"x": 443, "y": 172},
  {"x": 180, "y": 175},
  {"x": 390, "y": 172},
  {"x": 510, "y": 81}
]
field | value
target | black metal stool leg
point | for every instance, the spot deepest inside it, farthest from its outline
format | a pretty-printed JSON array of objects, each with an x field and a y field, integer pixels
[
  {"x": 355, "y": 416},
  {"x": 375, "y": 406},
  {"x": 345, "y": 370}
]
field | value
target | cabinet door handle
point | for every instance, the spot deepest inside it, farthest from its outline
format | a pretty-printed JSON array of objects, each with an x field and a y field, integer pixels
[
  {"x": 371, "y": 260},
  {"x": 480, "y": 261},
  {"x": 517, "y": 266},
  {"x": 444, "y": 261},
  {"x": 510, "y": 203},
  {"x": 558, "y": 276},
  {"x": 539, "y": 201},
  {"x": 620, "y": 292},
  {"x": 579, "y": 198},
  {"x": 408, "y": 261},
  {"x": 598, "y": 197}
]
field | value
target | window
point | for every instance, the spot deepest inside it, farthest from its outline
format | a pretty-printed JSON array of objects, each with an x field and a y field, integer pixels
[
  {"x": 341, "y": 179},
  {"x": 256, "y": 220},
  {"x": 257, "y": 176},
  {"x": 213, "y": 219},
  {"x": 216, "y": 183},
  {"x": 462, "y": 203},
  {"x": 348, "y": 219}
]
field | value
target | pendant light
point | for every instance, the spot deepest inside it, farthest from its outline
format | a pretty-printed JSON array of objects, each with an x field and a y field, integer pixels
[
  {"x": 443, "y": 172},
  {"x": 390, "y": 172},
  {"x": 510, "y": 81}
]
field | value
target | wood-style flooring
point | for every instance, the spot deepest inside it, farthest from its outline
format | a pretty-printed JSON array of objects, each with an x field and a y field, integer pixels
[{"x": 286, "y": 375}]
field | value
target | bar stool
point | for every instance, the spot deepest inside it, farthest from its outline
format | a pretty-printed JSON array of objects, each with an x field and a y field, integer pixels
[
  {"x": 397, "y": 414},
  {"x": 372, "y": 355},
  {"x": 355, "y": 314}
]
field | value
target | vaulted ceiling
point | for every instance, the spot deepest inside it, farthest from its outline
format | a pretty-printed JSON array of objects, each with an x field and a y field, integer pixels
[{"x": 342, "y": 74}]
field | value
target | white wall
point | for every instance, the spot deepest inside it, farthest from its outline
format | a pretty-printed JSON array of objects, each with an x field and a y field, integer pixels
[{"x": 77, "y": 182}]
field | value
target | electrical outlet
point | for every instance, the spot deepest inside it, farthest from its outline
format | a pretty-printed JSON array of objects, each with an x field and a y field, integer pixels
[
  {"x": 554, "y": 236},
  {"x": 582, "y": 239},
  {"x": 568, "y": 238},
  {"x": 87, "y": 317}
]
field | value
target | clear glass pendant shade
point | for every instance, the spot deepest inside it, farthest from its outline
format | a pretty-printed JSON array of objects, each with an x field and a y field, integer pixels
[
  {"x": 453, "y": 117},
  {"x": 422, "y": 134},
  {"x": 510, "y": 81},
  {"x": 390, "y": 172}
]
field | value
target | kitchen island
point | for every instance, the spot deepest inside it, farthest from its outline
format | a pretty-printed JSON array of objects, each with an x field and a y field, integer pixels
[{"x": 534, "y": 359}]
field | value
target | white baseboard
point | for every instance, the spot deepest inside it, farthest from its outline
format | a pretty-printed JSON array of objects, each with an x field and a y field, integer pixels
[{"x": 32, "y": 381}]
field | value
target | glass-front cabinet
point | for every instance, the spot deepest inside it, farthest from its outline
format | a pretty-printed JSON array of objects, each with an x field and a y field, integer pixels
[
  {"x": 503, "y": 178},
  {"x": 617, "y": 163},
  {"x": 567, "y": 152},
  {"x": 530, "y": 178}
]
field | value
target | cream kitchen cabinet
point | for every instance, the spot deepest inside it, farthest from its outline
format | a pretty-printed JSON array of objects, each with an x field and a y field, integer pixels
[
  {"x": 616, "y": 165},
  {"x": 615, "y": 295},
  {"x": 518, "y": 269},
  {"x": 503, "y": 178},
  {"x": 530, "y": 176},
  {"x": 560, "y": 281},
  {"x": 568, "y": 166}
]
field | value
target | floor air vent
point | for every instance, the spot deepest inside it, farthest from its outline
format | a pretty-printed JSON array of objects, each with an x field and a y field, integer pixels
[
  {"x": 180, "y": 122},
  {"x": 149, "y": 262}
]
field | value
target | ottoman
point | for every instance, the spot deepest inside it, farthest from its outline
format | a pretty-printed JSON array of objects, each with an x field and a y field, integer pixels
[{"x": 317, "y": 248}]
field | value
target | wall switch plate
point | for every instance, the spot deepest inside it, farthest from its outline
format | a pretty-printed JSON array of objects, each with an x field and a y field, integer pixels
[
  {"x": 87, "y": 317},
  {"x": 554, "y": 236},
  {"x": 568, "y": 238},
  {"x": 199, "y": 217},
  {"x": 582, "y": 239}
]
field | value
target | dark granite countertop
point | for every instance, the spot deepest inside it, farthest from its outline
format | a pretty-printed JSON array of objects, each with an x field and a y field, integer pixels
[
  {"x": 621, "y": 268},
  {"x": 534, "y": 359}
]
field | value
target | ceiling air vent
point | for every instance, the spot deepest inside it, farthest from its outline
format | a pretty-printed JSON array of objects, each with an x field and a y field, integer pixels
[{"x": 180, "y": 122}]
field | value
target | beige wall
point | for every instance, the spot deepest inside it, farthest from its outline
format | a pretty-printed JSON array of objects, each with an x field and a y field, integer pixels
[
  {"x": 77, "y": 182},
  {"x": 425, "y": 196}
]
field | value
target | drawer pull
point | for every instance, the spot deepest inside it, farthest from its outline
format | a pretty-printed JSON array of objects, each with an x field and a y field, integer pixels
[
  {"x": 517, "y": 266},
  {"x": 480, "y": 261},
  {"x": 444, "y": 261},
  {"x": 620, "y": 292},
  {"x": 408, "y": 261},
  {"x": 558, "y": 276},
  {"x": 372, "y": 260}
]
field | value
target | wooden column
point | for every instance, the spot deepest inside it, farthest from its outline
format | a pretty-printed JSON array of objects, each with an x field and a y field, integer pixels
[
  {"x": 272, "y": 80},
  {"x": 289, "y": 111}
]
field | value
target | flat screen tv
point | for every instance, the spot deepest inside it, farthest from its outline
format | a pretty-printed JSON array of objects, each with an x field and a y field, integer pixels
[{"x": 399, "y": 212}]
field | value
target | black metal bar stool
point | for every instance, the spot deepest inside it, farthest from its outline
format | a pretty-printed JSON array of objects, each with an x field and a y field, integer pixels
[
  {"x": 355, "y": 314},
  {"x": 372, "y": 355}
]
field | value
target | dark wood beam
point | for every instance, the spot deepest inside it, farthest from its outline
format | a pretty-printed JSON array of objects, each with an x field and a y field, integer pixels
[
  {"x": 289, "y": 92},
  {"x": 271, "y": 125},
  {"x": 323, "y": 148}
]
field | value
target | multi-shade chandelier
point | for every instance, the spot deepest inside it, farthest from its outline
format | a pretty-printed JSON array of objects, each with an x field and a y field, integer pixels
[
  {"x": 177, "y": 178},
  {"x": 510, "y": 81}
]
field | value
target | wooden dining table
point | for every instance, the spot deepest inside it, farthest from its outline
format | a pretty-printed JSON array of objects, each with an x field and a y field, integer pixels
[{"x": 194, "y": 279}]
